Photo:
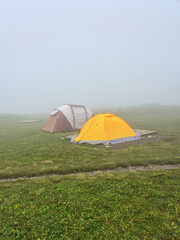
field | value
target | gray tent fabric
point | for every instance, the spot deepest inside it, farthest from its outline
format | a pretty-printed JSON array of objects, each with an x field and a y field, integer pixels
[{"x": 114, "y": 141}]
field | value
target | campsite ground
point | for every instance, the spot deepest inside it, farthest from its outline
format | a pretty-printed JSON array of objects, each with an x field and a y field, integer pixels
[
  {"x": 106, "y": 206},
  {"x": 25, "y": 150}
]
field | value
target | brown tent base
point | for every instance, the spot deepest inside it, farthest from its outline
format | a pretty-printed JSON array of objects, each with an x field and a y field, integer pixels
[{"x": 57, "y": 123}]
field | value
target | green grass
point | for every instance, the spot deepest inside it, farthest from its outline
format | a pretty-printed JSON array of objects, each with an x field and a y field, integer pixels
[
  {"x": 25, "y": 149},
  {"x": 106, "y": 206}
]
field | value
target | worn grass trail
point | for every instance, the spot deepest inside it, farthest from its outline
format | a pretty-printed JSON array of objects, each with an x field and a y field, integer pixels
[{"x": 93, "y": 173}]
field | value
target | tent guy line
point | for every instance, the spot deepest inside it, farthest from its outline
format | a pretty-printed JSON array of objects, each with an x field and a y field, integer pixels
[{"x": 151, "y": 167}]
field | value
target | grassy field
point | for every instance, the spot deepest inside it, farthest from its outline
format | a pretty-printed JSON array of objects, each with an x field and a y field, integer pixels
[
  {"x": 25, "y": 150},
  {"x": 107, "y": 206},
  {"x": 130, "y": 206}
]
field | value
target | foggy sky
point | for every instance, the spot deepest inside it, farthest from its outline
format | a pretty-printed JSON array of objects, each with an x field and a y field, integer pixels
[{"x": 99, "y": 53}]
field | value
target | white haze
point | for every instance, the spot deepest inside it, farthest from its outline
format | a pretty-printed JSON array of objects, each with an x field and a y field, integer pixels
[{"x": 97, "y": 53}]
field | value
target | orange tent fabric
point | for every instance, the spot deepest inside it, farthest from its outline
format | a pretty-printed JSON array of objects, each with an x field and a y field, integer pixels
[{"x": 106, "y": 128}]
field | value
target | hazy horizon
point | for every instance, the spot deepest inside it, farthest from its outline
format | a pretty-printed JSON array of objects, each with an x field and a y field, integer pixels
[{"x": 100, "y": 54}]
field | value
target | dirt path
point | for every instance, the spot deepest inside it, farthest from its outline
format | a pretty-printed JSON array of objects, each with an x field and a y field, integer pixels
[{"x": 92, "y": 173}]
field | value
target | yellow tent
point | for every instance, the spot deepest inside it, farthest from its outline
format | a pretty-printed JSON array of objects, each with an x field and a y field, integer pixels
[{"x": 106, "y": 128}]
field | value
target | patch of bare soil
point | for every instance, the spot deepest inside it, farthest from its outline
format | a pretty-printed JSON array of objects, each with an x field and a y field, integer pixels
[
  {"x": 93, "y": 173},
  {"x": 144, "y": 139},
  {"x": 47, "y": 161}
]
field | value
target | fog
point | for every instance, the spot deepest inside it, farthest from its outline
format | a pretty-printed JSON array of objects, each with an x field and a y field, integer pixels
[{"x": 97, "y": 53}]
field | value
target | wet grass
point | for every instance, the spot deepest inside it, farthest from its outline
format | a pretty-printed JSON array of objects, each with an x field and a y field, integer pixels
[
  {"x": 25, "y": 150},
  {"x": 106, "y": 206}
]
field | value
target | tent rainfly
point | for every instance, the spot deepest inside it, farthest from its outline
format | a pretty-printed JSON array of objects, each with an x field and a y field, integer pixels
[
  {"x": 106, "y": 129},
  {"x": 67, "y": 117}
]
